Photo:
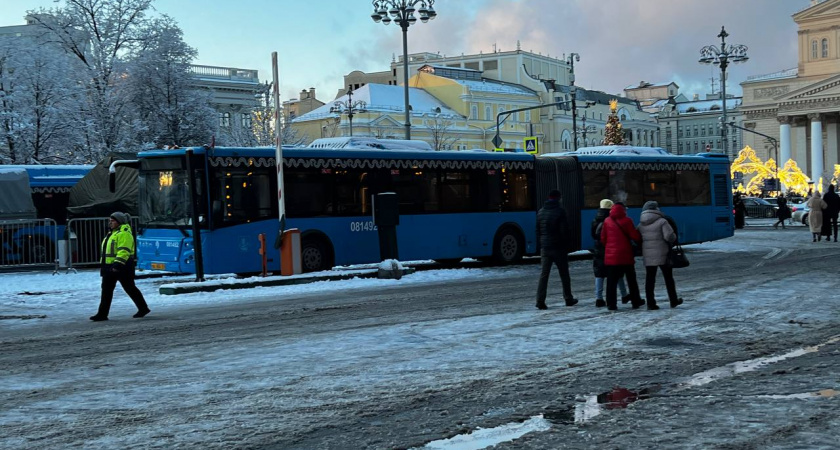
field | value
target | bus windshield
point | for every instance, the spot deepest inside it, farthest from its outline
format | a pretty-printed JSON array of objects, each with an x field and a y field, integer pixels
[{"x": 165, "y": 197}]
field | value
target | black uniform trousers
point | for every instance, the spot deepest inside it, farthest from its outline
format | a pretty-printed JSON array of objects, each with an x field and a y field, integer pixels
[
  {"x": 126, "y": 280},
  {"x": 614, "y": 273}
]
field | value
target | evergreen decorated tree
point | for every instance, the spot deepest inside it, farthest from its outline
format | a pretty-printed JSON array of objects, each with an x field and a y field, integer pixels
[{"x": 613, "y": 132}]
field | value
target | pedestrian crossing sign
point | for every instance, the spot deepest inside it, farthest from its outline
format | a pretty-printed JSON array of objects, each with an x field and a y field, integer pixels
[{"x": 531, "y": 145}]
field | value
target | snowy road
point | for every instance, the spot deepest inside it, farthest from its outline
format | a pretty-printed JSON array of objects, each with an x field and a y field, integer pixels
[{"x": 438, "y": 354}]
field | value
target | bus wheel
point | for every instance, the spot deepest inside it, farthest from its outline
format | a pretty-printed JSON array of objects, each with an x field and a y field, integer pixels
[
  {"x": 508, "y": 247},
  {"x": 314, "y": 255}
]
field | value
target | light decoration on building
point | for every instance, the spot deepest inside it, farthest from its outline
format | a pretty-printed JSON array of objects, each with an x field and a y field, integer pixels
[
  {"x": 165, "y": 179},
  {"x": 836, "y": 177},
  {"x": 790, "y": 175}
]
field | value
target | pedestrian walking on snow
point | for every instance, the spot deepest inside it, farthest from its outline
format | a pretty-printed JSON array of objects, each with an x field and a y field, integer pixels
[
  {"x": 553, "y": 233},
  {"x": 832, "y": 210},
  {"x": 117, "y": 265},
  {"x": 598, "y": 257},
  {"x": 783, "y": 213},
  {"x": 658, "y": 236},
  {"x": 815, "y": 216},
  {"x": 617, "y": 233}
]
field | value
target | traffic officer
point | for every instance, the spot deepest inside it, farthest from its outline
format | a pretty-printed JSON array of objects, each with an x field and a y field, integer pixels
[{"x": 117, "y": 265}]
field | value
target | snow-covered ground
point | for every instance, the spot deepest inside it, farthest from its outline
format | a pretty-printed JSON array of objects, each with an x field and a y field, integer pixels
[{"x": 278, "y": 382}]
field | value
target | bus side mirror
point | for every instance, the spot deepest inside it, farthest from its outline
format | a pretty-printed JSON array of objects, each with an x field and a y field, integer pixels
[{"x": 112, "y": 182}]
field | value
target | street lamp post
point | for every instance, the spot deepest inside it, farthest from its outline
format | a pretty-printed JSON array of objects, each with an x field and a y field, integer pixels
[
  {"x": 349, "y": 107},
  {"x": 723, "y": 56},
  {"x": 402, "y": 12},
  {"x": 585, "y": 129},
  {"x": 573, "y": 91}
]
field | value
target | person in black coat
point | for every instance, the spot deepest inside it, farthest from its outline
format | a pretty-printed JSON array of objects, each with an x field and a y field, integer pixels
[
  {"x": 553, "y": 233},
  {"x": 740, "y": 212},
  {"x": 831, "y": 212}
]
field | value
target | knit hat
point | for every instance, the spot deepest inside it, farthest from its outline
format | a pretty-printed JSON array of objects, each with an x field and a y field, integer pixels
[
  {"x": 606, "y": 203},
  {"x": 650, "y": 205},
  {"x": 121, "y": 218},
  {"x": 554, "y": 194}
]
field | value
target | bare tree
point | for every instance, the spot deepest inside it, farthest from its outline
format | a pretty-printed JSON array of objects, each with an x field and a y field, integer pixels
[
  {"x": 172, "y": 110},
  {"x": 102, "y": 35},
  {"x": 439, "y": 132}
]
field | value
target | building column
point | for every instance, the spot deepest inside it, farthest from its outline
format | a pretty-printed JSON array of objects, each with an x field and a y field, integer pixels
[
  {"x": 799, "y": 152},
  {"x": 816, "y": 149},
  {"x": 831, "y": 149},
  {"x": 784, "y": 141}
]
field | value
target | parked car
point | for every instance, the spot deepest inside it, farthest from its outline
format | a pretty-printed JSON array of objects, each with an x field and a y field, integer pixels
[
  {"x": 799, "y": 213},
  {"x": 759, "y": 207}
]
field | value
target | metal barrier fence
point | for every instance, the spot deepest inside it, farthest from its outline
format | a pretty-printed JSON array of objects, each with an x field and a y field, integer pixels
[
  {"x": 83, "y": 239},
  {"x": 28, "y": 243}
]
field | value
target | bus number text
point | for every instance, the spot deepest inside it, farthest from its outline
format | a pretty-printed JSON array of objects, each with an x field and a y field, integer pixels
[{"x": 362, "y": 226}]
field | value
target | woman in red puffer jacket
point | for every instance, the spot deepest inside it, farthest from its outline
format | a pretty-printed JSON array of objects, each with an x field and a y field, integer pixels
[{"x": 616, "y": 234}]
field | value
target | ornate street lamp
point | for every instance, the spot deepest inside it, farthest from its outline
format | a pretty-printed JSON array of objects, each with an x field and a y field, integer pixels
[
  {"x": 402, "y": 13},
  {"x": 573, "y": 91},
  {"x": 722, "y": 57},
  {"x": 349, "y": 107}
]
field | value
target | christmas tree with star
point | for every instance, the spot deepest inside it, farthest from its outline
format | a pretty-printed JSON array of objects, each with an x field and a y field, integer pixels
[{"x": 613, "y": 133}]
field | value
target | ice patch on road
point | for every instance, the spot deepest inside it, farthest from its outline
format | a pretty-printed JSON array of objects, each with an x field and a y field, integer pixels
[
  {"x": 486, "y": 437},
  {"x": 737, "y": 367}
]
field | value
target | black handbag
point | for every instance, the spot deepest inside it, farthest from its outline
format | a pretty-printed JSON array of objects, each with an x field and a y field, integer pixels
[{"x": 677, "y": 258}]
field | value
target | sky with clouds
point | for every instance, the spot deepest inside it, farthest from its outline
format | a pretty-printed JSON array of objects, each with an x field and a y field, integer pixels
[{"x": 620, "y": 42}]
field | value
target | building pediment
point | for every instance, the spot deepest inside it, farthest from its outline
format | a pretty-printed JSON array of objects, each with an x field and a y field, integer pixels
[
  {"x": 828, "y": 9},
  {"x": 385, "y": 121},
  {"x": 827, "y": 88}
]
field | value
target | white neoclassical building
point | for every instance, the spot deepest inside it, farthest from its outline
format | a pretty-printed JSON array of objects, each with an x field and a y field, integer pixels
[{"x": 800, "y": 107}]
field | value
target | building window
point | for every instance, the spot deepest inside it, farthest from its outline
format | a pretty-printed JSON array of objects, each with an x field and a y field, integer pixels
[
  {"x": 488, "y": 113},
  {"x": 491, "y": 65},
  {"x": 527, "y": 116},
  {"x": 224, "y": 120},
  {"x": 246, "y": 121},
  {"x": 474, "y": 112},
  {"x": 825, "y": 48},
  {"x": 813, "y": 49},
  {"x": 680, "y": 132}
]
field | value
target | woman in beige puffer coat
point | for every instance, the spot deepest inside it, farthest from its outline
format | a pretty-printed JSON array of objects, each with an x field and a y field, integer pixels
[
  {"x": 657, "y": 237},
  {"x": 815, "y": 216}
]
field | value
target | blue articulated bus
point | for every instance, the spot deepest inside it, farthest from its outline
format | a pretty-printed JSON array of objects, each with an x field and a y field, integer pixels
[{"x": 452, "y": 204}]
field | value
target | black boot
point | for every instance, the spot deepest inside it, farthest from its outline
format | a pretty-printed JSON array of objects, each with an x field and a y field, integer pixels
[
  {"x": 600, "y": 303},
  {"x": 542, "y": 305},
  {"x": 571, "y": 302},
  {"x": 651, "y": 306},
  {"x": 141, "y": 314},
  {"x": 98, "y": 318},
  {"x": 626, "y": 298},
  {"x": 677, "y": 302}
]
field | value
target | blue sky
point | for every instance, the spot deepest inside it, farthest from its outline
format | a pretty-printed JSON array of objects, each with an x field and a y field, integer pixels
[{"x": 621, "y": 42}]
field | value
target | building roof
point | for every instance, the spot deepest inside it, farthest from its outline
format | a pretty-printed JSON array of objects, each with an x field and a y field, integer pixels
[
  {"x": 385, "y": 98},
  {"x": 645, "y": 84},
  {"x": 702, "y": 106},
  {"x": 495, "y": 87}
]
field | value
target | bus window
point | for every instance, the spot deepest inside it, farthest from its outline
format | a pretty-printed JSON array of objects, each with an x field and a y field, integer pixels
[
  {"x": 659, "y": 186},
  {"x": 626, "y": 186},
  {"x": 246, "y": 194},
  {"x": 596, "y": 186},
  {"x": 517, "y": 191},
  {"x": 693, "y": 187}
]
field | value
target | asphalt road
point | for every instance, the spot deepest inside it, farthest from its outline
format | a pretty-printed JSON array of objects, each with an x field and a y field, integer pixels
[{"x": 401, "y": 367}]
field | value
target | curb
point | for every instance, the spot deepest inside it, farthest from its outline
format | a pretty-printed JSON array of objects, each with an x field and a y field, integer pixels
[{"x": 191, "y": 287}]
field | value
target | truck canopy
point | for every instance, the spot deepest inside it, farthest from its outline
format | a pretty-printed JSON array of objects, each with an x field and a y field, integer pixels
[
  {"x": 16, "y": 198},
  {"x": 91, "y": 197}
]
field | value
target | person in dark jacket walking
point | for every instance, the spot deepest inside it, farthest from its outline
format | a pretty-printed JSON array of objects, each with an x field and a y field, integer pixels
[
  {"x": 616, "y": 235},
  {"x": 783, "y": 213},
  {"x": 598, "y": 257},
  {"x": 658, "y": 235},
  {"x": 740, "y": 211},
  {"x": 832, "y": 210},
  {"x": 553, "y": 233},
  {"x": 117, "y": 265}
]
